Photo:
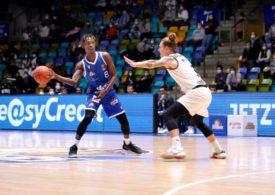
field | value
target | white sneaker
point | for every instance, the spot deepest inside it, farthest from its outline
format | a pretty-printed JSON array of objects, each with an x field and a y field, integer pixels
[
  {"x": 190, "y": 130},
  {"x": 163, "y": 130},
  {"x": 173, "y": 152},
  {"x": 219, "y": 155}
]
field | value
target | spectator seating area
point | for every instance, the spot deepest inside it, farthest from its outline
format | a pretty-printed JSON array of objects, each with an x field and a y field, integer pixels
[
  {"x": 257, "y": 80},
  {"x": 61, "y": 50}
]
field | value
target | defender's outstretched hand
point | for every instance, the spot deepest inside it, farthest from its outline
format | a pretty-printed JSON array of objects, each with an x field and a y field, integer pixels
[{"x": 129, "y": 61}]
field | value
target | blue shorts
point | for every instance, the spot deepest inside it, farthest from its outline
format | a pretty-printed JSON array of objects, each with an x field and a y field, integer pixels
[{"x": 110, "y": 103}]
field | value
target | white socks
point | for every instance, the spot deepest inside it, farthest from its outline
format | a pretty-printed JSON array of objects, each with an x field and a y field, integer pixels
[
  {"x": 217, "y": 147},
  {"x": 176, "y": 142},
  {"x": 77, "y": 142},
  {"x": 127, "y": 141}
]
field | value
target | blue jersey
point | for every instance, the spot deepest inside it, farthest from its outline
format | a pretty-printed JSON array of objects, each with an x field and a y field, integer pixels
[
  {"x": 98, "y": 77},
  {"x": 96, "y": 73}
]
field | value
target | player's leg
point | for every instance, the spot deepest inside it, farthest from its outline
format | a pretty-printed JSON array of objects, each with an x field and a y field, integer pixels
[
  {"x": 81, "y": 129},
  {"x": 125, "y": 128},
  {"x": 124, "y": 124},
  {"x": 113, "y": 108},
  {"x": 208, "y": 133},
  {"x": 170, "y": 116},
  {"x": 90, "y": 110}
]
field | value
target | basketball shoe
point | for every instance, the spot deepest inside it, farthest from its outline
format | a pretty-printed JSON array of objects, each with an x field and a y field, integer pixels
[
  {"x": 132, "y": 147},
  {"x": 173, "y": 152},
  {"x": 219, "y": 155},
  {"x": 73, "y": 151}
]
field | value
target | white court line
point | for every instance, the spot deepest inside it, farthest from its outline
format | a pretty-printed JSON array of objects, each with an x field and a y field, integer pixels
[{"x": 174, "y": 190}]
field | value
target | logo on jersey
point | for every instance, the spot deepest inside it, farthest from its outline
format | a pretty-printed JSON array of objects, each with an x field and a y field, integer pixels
[
  {"x": 103, "y": 67},
  {"x": 100, "y": 88},
  {"x": 114, "y": 101},
  {"x": 92, "y": 73}
]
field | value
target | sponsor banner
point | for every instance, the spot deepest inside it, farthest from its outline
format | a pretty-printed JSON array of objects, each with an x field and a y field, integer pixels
[
  {"x": 241, "y": 125},
  {"x": 218, "y": 123},
  {"x": 269, "y": 14},
  {"x": 250, "y": 125},
  {"x": 260, "y": 104},
  {"x": 65, "y": 113}
]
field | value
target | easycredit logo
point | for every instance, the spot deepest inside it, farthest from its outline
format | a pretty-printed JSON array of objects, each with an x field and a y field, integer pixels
[{"x": 16, "y": 112}]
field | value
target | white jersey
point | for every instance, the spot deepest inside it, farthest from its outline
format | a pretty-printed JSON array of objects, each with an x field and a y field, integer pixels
[{"x": 184, "y": 74}]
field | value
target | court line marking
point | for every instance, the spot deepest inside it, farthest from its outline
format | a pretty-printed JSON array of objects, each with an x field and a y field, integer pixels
[
  {"x": 23, "y": 155},
  {"x": 176, "y": 189}
]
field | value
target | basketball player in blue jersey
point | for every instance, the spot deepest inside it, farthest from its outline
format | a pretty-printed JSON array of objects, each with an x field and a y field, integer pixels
[
  {"x": 195, "y": 102},
  {"x": 99, "y": 71}
]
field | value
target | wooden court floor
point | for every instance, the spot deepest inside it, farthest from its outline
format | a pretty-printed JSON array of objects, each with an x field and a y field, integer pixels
[{"x": 37, "y": 163}]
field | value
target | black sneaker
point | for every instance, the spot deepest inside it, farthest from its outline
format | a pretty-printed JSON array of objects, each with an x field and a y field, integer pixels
[
  {"x": 73, "y": 151},
  {"x": 132, "y": 148}
]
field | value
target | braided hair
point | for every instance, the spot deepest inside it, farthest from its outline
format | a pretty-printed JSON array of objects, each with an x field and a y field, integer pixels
[{"x": 85, "y": 36}]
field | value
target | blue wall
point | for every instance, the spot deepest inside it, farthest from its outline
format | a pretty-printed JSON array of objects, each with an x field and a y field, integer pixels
[
  {"x": 65, "y": 113},
  {"x": 260, "y": 104}
]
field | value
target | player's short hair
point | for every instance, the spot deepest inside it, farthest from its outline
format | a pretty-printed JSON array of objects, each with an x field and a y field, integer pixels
[{"x": 85, "y": 36}]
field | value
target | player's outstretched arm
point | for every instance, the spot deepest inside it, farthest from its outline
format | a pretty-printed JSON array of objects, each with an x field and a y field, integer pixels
[
  {"x": 167, "y": 62},
  {"x": 75, "y": 78}
]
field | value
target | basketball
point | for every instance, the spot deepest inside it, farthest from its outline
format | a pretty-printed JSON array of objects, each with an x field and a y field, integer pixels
[{"x": 42, "y": 74}]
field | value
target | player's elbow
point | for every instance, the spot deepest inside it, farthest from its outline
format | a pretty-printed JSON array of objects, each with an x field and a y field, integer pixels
[
  {"x": 114, "y": 76},
  {"x": 153, "y": 64},
  {"x": 73, "y": 83}
]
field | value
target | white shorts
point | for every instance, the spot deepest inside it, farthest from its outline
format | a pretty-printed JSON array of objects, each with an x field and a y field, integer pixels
[{"x": 196, "y": 101}]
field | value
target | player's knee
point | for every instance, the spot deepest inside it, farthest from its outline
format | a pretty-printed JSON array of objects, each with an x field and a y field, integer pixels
[
  {"x": 125, "y": 128},
  {"x": 87, "y": 120},
  {"x": 198, "y": 121},
  {"x": 89, "y": 115},
  {"x": 170, "y": 121},
  {"x": 167, "y": 114},
  {"x": 81, "y": 129}
]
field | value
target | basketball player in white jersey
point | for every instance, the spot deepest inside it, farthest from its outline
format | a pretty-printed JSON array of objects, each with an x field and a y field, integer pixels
[{"x": 195, "y": 101}]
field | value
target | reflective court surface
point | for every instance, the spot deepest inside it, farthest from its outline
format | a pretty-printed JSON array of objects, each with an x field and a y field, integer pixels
[{"x": 37, "y": 163}]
